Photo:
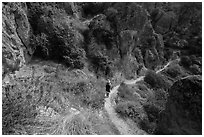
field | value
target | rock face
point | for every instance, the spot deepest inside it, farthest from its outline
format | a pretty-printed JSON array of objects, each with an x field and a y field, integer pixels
[
  {"x": 124, "y": 34},
  {"x": 183, "y": 114},
  {"x": 15, "y": 36},
  {"x": 141, "y": 33},
  {"x": 136, "y": 35}
]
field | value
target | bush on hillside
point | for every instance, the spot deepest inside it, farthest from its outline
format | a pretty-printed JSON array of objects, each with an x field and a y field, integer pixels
[
  {"x": 174, "y": 71},
  {"x": 90, "y": 9},
  {"x": 130, "y": 109},
  {"x": 154, "y": 105},
  {"x": 127, "y": 93},
  {"x": 150, "y": 123},
  {"x": 87, "y": 94},
  {"x": 124, "y": 91},
  {"x": 185, "y": 61},
  {"x": 79, "y": 88},
  {"x": 152, "y": 112},
  {"x": 143, "y": 90},
  {"x": 155, "y": 80},
  {"x": 158, "y": 99},
  {"x": 101, "y": 63},
  {"x": 54, "y": 35},
  {"x": 195, "y": 69}
]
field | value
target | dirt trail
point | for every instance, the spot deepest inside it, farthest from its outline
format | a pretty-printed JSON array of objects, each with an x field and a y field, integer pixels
[
  {"x": 119, "y": 123},
  {"x": 122, "y": 126}
]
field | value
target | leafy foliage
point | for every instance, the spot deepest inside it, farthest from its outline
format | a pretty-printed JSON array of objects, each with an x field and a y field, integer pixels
[
  {"x": 130, "y": 109},
  {"x": 149, "y": 124},
  {"x": 195, "y": 69},
  {"x": 101, "y": 63},
  {"x": 185, "y": 61},
  {"x": 174, "y": 71},
  {"x": 187, "y": 33},
  {"x": 93, "y": 8},
  {"x": 155, "y": 80},
  {"x": 55, "y": 37}
]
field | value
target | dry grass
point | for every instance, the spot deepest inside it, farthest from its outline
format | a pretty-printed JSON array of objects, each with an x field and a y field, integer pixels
[{"x": 42, "y": 106}]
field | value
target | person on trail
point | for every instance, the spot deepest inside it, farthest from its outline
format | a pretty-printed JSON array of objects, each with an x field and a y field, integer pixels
[{"x": 108, "y": 88}]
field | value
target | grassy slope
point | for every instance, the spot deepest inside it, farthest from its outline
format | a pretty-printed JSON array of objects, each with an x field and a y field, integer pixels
[{"x": 61, "y": 102}]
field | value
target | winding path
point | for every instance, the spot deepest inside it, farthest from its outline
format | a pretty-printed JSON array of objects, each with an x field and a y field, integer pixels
[{"x": 121, "y": 125}]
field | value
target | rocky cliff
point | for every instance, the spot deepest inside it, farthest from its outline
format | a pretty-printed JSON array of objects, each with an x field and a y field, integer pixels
[
  {"x": 15, "y": 36},
  {"x": 183, "y": 113},
  {"x": 124, "y": 36}
]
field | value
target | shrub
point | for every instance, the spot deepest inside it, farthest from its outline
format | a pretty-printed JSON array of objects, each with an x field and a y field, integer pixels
[
  {"x": 87, "y": 94},
  {"x": 127, "y": 93},
  {"x": 143, "y": 90},
  {"x": 185, "y": 61},
  {"x": 100, "y": 63},
  {"x": 155, "y": 80},
  {"x": 95, "y": 101},
  {"x": 40, "y": 43},
  {"x": 150, "y": 123},
  {"x": 49, "y": 69},
  {"x": 152, "y": 112},
  {"x": 55, "y": 36},
  {"x": 195, "y": 69},
  {"x": 92, "y": 8},
  {"x": 79, "y": 88},
  {"x": 147, "y": 126},
  {"x": 124, "y": 91},
  {"x": 131, "y": 110},
  {"x": 174, "y": 71}
]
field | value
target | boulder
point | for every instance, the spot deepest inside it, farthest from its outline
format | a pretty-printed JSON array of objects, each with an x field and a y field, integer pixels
[{"x": 183, "y": 113}]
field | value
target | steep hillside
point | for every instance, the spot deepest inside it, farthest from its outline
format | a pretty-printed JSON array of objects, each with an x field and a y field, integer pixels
[{"x": 57, "y": 57}]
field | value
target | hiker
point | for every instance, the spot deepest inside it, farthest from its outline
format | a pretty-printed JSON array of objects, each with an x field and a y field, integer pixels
[{"x": 108, "y": 88}]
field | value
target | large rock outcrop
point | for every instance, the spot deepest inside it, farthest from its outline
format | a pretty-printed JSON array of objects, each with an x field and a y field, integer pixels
[
  {"x": 133, "y": 21},
  {"x": 15, "y": 36},
  {"x": 183, "y": 114},
  {"x": 125, "y": 31}
]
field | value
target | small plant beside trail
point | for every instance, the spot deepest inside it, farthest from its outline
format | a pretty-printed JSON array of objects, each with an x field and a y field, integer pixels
[{"x": 132, "y": 110}]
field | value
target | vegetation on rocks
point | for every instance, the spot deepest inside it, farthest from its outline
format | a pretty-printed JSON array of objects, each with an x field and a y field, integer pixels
[
  {"x": 54, "y": 35},
  {"x": 58, "y": 56},
  {"x": 155, "y": 80}
]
